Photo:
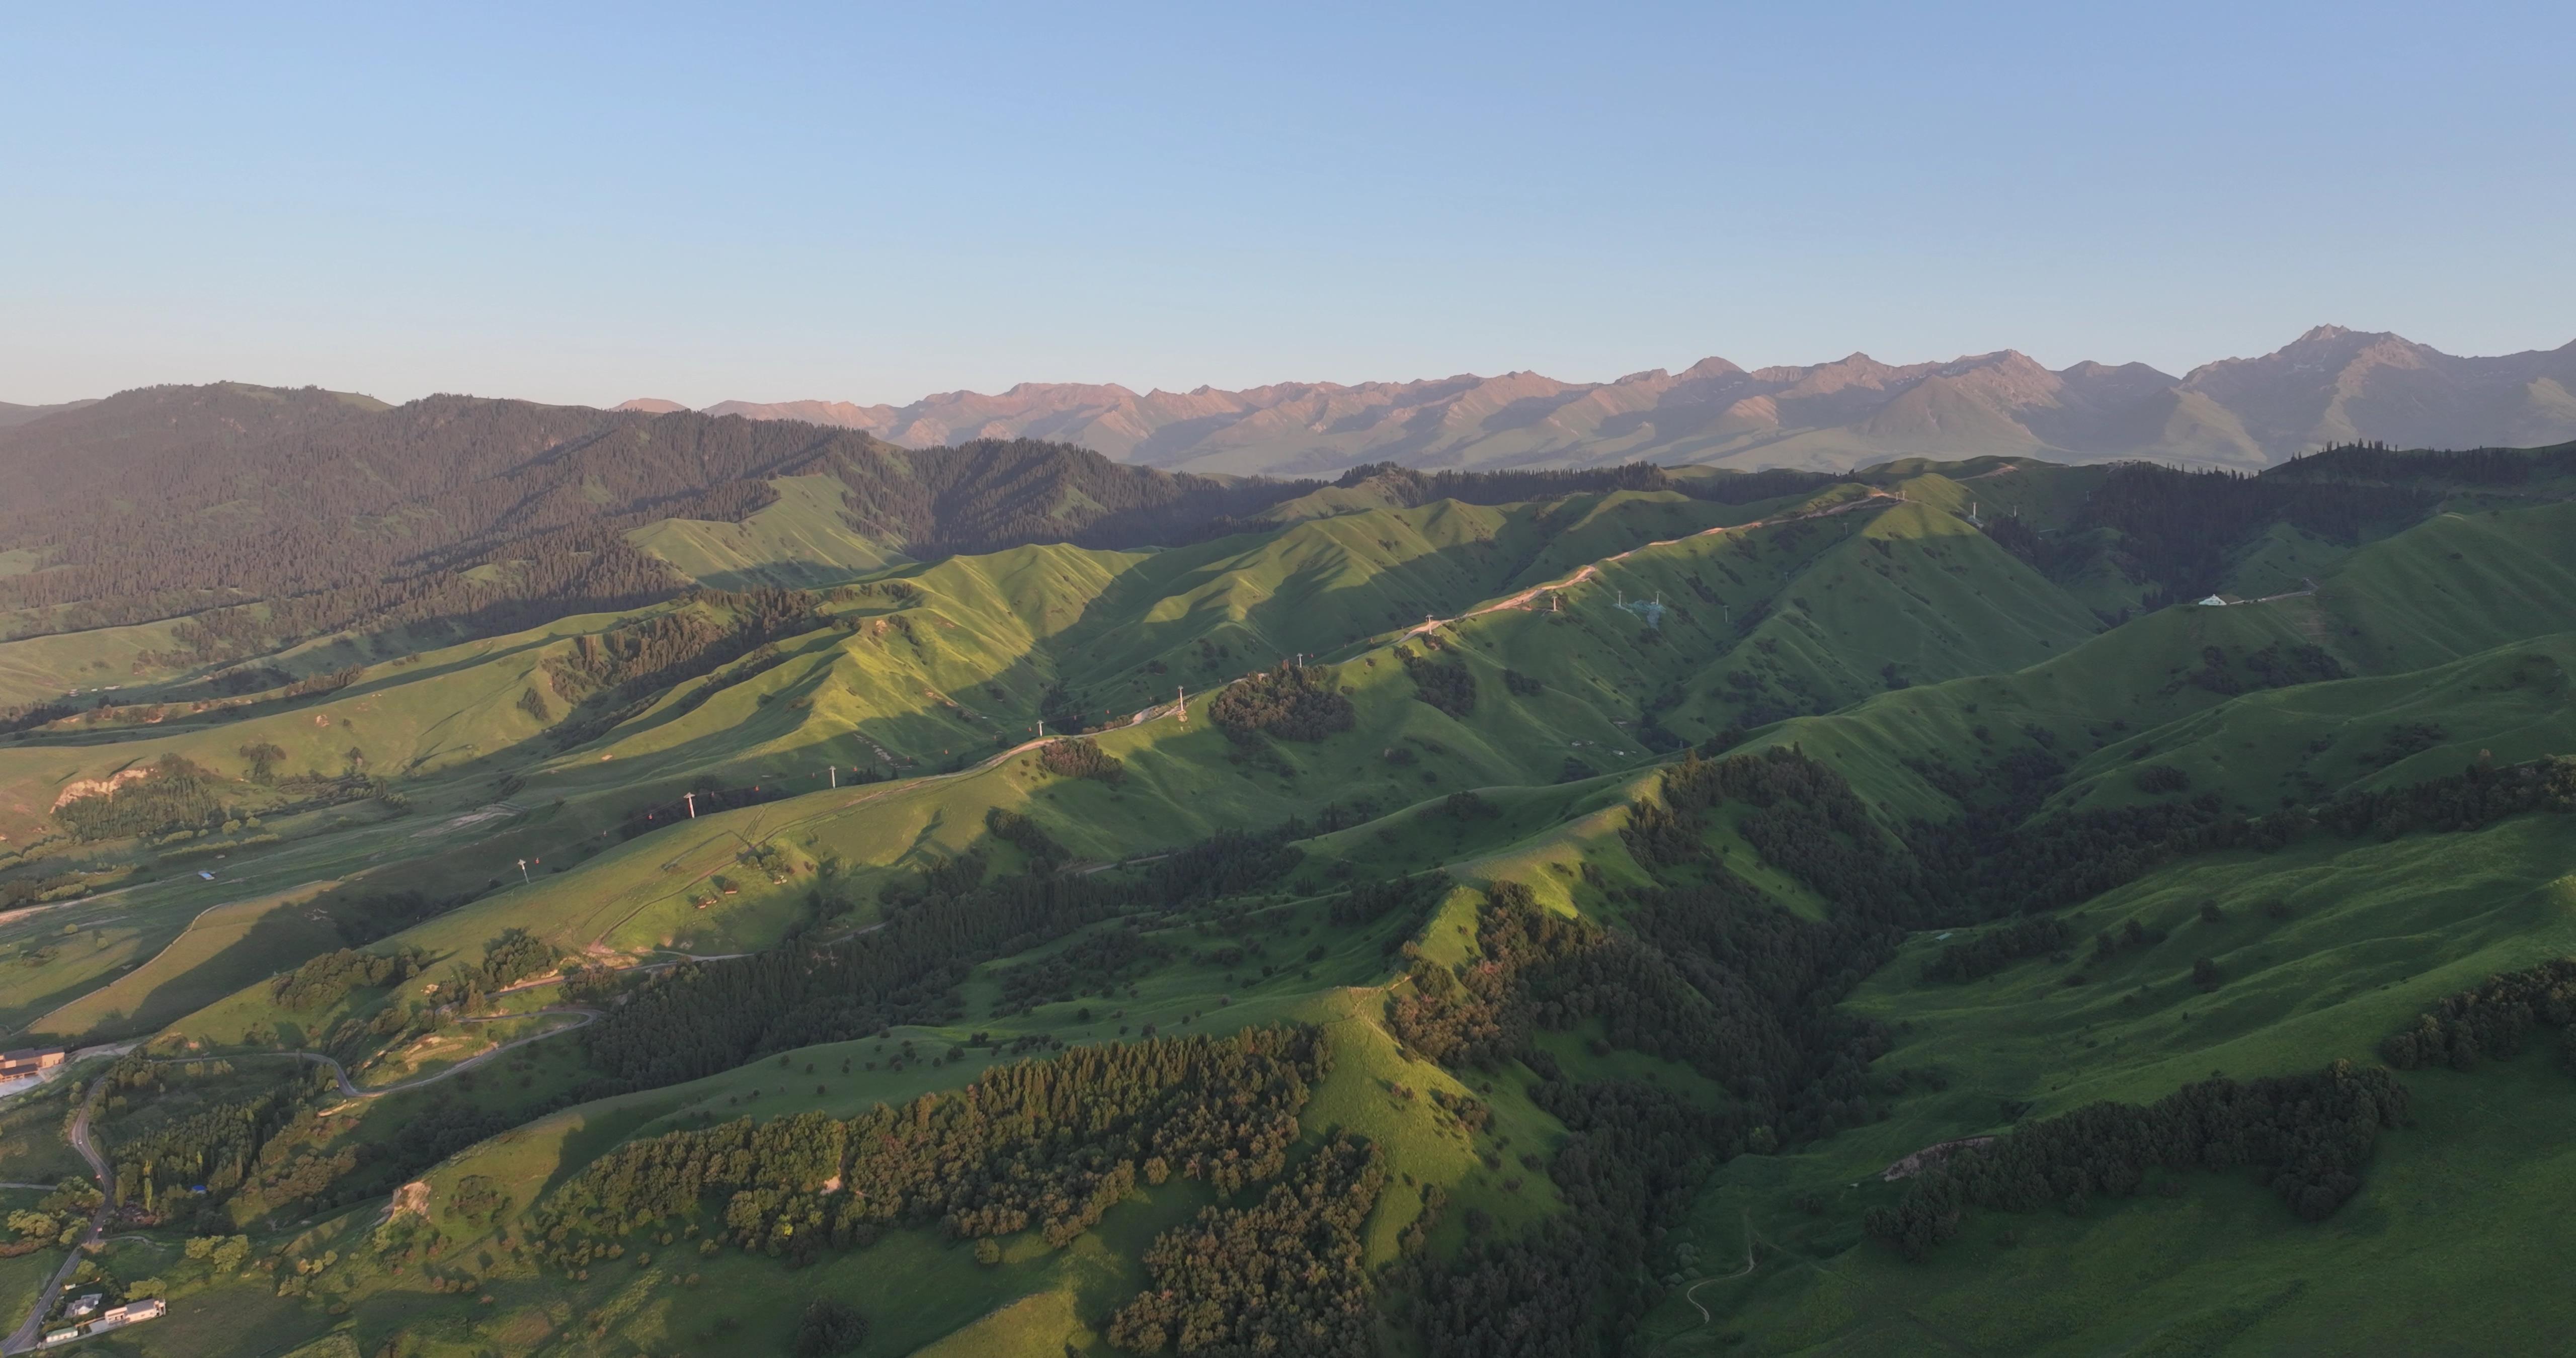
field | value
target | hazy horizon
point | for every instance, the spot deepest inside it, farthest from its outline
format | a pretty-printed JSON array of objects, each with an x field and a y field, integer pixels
[{"x": 590, "y": 206}]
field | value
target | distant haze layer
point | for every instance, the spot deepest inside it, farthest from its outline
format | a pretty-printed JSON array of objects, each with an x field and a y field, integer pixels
[{"x": 2330, "y": 386}]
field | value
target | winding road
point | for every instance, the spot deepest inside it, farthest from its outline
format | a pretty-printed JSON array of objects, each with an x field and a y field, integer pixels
[{"x": 25, "y": 1336}]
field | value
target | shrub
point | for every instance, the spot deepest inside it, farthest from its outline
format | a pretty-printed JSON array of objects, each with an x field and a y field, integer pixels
[
  {"x": 1073, "y": 758},
  {"x": 829, "y": 1328},
  {"x": 1292, "y": 702},
  {"x": 2158, "y": 779}
]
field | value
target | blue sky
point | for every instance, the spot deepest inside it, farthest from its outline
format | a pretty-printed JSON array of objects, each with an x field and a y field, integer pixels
[{"x": 872, "y": 203}]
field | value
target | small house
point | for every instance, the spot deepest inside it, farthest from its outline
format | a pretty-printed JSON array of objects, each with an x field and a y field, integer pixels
[
  {"x": 83, "y": 1304},
  {"x": 29, "y": 1061},
  {"x": 149, "y": 1308}
]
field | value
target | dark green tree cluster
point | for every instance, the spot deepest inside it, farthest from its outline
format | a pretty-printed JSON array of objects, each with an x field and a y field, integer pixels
[
  {"x": 990, "y": 494},
  {"x": 1044, "y": 854},
  {"x": 1805, "y": 821},
  {"x": 1096, "y": 963},
  {"x": 1983, "y": 866},
  {"x": 2472, "y": 799},
  {"x": 632, "y": 662},
  {"x": 706, "y": 1017},
  {"x": 2377, "y": 463},
  {"x": 827, "y": 1329},
  {"x": 509, "y": 957},
  {"x": 210, "y": 1138},
  {"x": 2494, "y": 1019},
  {"x": 1447, "y": 685},
  {"x": 1074, "y": 758},
  {"x": 2180, "y": 529},
  {"x": 324, "y": 980},
  {"x": 2156, "y": 780},
  {"x": 176, "y": 793},
  {"x": 1047, "y": 1144},
  {"x": 1289, "y": 701},
  {"x": 18, "y": 891},
  {"x": 29, "y": 716},
  {"x": 1369, "y": 902},
  {"x": 1632, "y": 1163},
  {"x": 1282, "y": 1275},
  {"x": 2307, "y": 1135},
  {"x": 1991, "y": 950}
]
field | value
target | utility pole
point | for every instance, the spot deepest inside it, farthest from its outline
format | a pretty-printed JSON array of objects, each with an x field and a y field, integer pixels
[{"x": 692, "y": 799}]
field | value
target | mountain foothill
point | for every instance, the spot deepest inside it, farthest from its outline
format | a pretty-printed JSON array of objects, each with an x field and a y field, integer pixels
[{"x": 1850, "y": 859}]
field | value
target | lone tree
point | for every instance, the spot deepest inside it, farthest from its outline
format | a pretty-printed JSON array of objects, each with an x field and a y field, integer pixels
[{"x": 829, "y": 1328}]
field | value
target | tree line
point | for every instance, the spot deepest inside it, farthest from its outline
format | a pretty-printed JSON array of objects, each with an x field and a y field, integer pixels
[
  {"x": 2308, "y": 1136},
  {"x": 1049, "y": 1144},
  {"x": 2492, "y": 1019}
]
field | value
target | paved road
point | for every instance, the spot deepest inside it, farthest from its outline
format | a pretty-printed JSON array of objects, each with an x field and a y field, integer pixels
[{"x": 24, "y": 1337}]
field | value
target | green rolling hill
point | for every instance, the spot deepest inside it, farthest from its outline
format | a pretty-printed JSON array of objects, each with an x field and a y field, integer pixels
[{"x": 1592, "y": 886}]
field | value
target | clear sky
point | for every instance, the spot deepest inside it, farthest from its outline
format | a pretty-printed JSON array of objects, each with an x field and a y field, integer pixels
[{"x": 870, "y": 203}]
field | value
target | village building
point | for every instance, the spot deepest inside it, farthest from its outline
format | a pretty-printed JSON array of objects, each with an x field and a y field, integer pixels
[
  {"x": 150, "y": 1308},
  {"x": 29, "y": 1061}
]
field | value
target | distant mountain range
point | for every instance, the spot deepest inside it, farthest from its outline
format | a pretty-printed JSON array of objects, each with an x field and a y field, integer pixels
[{"x": 2329, "y": 386}]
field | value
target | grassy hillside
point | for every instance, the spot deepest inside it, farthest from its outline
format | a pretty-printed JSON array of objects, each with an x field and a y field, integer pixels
[{"x": 1610, "y": 843}]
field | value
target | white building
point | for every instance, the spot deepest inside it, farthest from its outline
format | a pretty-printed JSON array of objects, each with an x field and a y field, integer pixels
[{"x": 150, "y": 1308}]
